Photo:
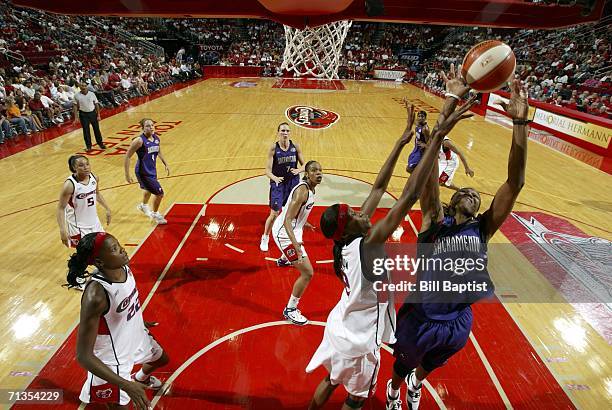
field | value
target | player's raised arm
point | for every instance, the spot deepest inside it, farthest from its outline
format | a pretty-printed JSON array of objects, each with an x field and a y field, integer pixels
[
  {"x": 416, "y": 182},
  {"x": 456, "y": 88},
  {"x": 518, "y": 109},
  {"x": 384, "y": 175}
]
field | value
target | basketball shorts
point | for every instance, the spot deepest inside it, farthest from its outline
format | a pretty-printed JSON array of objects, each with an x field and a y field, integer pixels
[
  {"x": 358, "y": 374},
  {"x": 97, "y": 390},
  {"x": 283, "y": 242},
  {"x": 447, "y": 171},
  {"x": 150, "y": 184},
  {"x": 279, "y": 193},
  {"x": 430, "y": 343},
  {"x": 414, "y": 158},
  {"x": 75, "y": 233}
]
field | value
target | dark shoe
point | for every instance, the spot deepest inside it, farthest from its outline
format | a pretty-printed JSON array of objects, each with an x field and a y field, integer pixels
[{"x": 102, "y": 146}]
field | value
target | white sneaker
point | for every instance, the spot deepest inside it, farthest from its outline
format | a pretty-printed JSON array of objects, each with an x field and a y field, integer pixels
[
  {"x": 263, "y": 244},
  {"x": 158, "y": 218},
  {"x": 295, "y": 316},
  {"x": 413, "y": 393},
  {"x": 392, "y": 403},
  {"x": 152, "y": 382},
  {"x": 144, "y": 208}
]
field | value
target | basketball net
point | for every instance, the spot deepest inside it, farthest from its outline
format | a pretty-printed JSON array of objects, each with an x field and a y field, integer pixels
[{"x": 315, "y": 51}]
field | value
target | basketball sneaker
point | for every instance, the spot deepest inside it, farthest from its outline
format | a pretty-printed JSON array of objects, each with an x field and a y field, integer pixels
[
  {"x": 152, "y": 382},
  {"x": 393, "y": 403},
  {"x": 295, "y": 316},
  {"x": 413, "y": 393},
  {"x": 158, "y": 218},
  {"x": 282, "y": 262},
  {"x": 263, "y": 244},
  {"x": 144, "y": 208}
]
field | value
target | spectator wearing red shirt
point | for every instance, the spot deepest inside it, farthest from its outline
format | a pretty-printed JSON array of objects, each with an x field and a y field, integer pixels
[{"x": 37, "y": 107}]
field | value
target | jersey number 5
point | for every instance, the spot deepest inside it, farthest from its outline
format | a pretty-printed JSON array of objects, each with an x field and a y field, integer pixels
[{"x": 90, "y": 201}]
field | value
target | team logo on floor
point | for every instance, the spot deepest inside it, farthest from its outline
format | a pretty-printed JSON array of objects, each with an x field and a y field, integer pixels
[
  {"x": 243, "y": 84},
  {"x": 311, "y": 117}
]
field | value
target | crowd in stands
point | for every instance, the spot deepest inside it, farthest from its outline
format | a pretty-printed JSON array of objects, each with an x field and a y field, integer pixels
[
  {"x": 38, "y": 93},
  {"x": 569, "y": 67}
]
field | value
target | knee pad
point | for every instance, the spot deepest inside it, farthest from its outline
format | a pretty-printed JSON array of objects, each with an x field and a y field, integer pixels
[{"x": 354, "y": 404}]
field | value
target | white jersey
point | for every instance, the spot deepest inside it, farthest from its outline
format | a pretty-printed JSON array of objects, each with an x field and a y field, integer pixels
[
  {"x": 297, "y": 224},
  {"x": 121, "y": 330},
  {"x": 81, "y": 212},
  {"x": 360, "y": 322},
  {"x": 447, "y": 154}
]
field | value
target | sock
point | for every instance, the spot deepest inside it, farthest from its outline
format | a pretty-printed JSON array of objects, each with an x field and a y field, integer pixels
[
  {"x": 141, "y": 376},
  {"x": 264, "y": 236},
  {"x": 416, "y": 383},
  {"x": 293, "y": 302},
  {"x": 392, "y": 393}
]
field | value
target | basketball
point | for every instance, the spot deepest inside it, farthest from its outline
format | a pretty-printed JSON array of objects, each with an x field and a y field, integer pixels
[{"x": 488, "y": 66}]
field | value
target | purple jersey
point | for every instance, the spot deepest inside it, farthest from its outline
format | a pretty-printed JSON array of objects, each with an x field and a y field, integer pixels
[
  {"x": 283, "y": 161},
  {"x": 147, "y": 156},
  {"x": 460, "y": 243},
  {"x": 417, "y": 152}
]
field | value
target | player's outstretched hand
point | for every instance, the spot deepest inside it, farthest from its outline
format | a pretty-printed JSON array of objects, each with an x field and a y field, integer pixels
[
  {"x": 518, "y": 107},
  {"x": 455, "y": 83},
  {"x": 411, "y": 116},
  {"x": 459, "y": 114},
  {"x": 136, "y": 391}
]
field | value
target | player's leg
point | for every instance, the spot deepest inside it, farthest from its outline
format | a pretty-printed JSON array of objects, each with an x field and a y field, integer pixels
[
  {"x": 275, "y": 202},
  {"x": 447, "y": 174},
  {"x": 152, "y": 356},
  {"x": 154, "y": 188},
  {"x": 291, "y": 312},
  {"x": 322, "y": 393}
]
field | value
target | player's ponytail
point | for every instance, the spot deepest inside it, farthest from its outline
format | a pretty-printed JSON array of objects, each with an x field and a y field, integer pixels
[
  {"x": 78, "y": 262},
  {"x": 329, "y": 224}
]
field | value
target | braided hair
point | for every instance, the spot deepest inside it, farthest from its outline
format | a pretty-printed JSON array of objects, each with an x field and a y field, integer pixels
[
  {"x": 77, "y": 264},
  {"x": 72, "y": 162},
  {"x": 329, "y": 224}
]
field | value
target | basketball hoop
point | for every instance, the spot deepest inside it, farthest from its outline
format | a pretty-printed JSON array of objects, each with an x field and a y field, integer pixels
[{"x": 315, "y": 50}]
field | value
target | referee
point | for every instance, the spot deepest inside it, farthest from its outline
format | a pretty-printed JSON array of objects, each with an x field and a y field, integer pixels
[{"x": 86, "y": 104}]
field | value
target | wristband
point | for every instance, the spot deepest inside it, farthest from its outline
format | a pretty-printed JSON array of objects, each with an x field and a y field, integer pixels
[
  {"x": 455, "y": 96},
  {"x": 521, "y": 122}
]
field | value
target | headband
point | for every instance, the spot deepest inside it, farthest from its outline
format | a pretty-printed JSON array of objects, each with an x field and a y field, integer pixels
[
  {"x": 100, "y": 236},
  {"x": 341, "y": 222}
]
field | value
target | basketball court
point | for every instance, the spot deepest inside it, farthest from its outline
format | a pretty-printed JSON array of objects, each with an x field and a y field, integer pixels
[
  {"x": 542, "y": 343},
  {"x": 219, "y": 300}
]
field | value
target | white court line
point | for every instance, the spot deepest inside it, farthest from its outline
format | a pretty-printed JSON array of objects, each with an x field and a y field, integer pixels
[
  {"x": 270, "y": 259},
  {"x": 492, "y": 375},
  {"x": 239, "y": 332},
  {"x": 174, "y": 255},
  {"x": 201, "y": 259},
  {"x": 412, "y": 225},
  {"x": 234, "y": 248},
  {"x": 326, "y": 261}
]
